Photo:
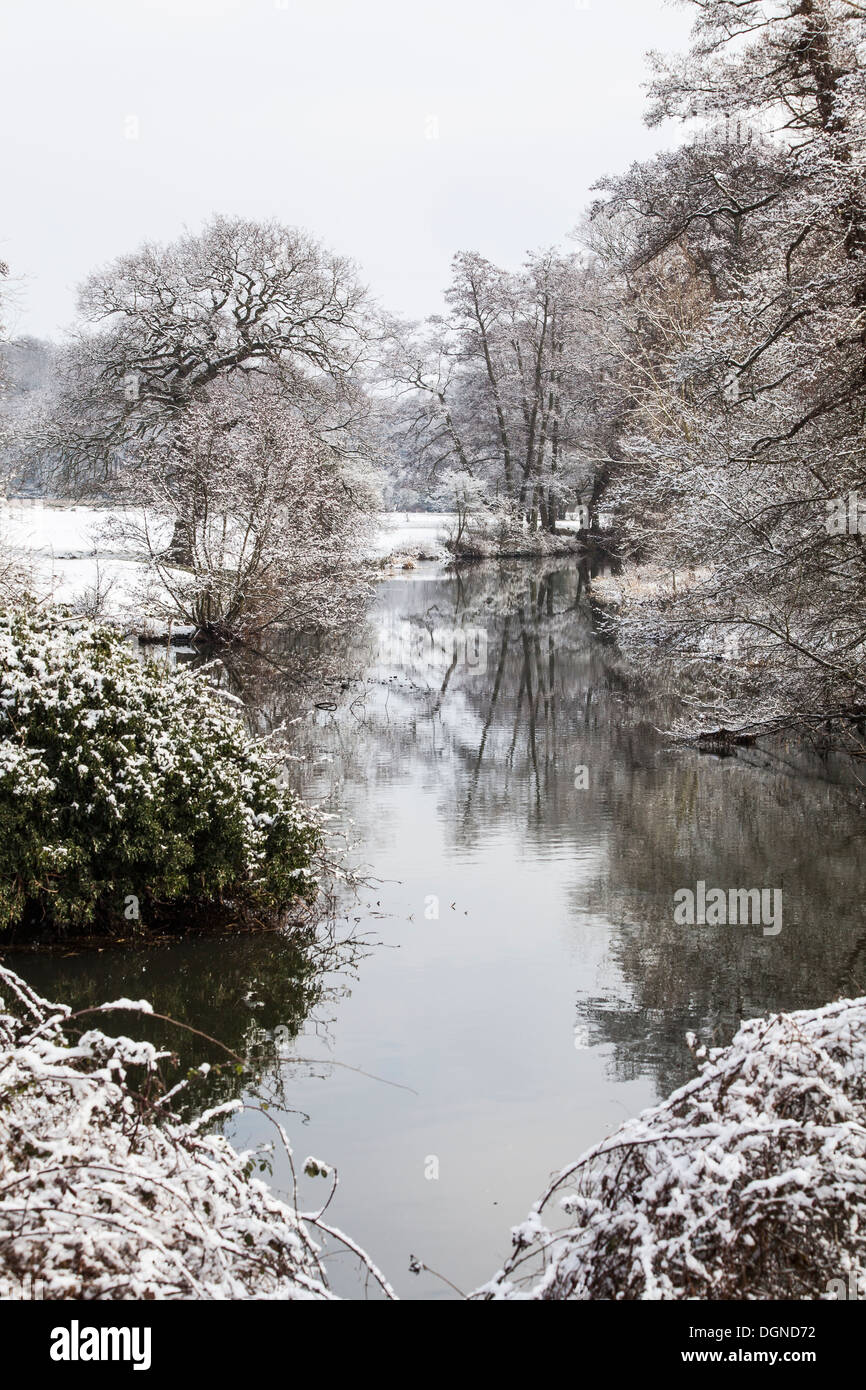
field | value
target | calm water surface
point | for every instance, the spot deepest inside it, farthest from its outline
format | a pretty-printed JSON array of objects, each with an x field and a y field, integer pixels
[{"x": 525, "y": 987}]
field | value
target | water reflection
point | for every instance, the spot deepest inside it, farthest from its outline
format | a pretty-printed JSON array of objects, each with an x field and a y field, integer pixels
[
  {"x": 247, "y": 997},
  {"x": 526, "y": 827}
]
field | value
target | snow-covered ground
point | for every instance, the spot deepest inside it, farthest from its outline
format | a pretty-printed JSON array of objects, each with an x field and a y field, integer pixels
[
  {"x": 411, "y": 532},
  {"x": 71, "y": 558},
  {"x": 67, "y": 555}
]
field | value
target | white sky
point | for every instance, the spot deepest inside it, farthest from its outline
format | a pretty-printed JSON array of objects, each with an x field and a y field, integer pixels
[{"x": 319, "y": 113}]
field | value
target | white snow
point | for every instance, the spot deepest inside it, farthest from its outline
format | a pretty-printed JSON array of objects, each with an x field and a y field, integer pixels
[
  {"x": 105, "y": 1193},
  {"x": 68, "y": 551},
  {"x": 748, "y": 1182},
  {"x": 409, "y": 532}
]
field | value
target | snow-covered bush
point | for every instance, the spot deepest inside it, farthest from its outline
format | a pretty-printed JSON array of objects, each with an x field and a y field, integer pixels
[
  {"x": 747, "y": 1183},
  {"x": 129, "y": 795},
  {"x": 105, "y": 1194},
  {"x": 250, "y": 519},
  {"x": 503, "y": 532},
  {"x": 16, "y": 579}
]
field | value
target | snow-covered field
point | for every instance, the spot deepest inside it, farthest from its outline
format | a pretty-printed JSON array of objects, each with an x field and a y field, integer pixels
[
  {"x": 67, "y": 555},
  {"x": 71, "y": 558},
  {"x": 411, "y": 532}
]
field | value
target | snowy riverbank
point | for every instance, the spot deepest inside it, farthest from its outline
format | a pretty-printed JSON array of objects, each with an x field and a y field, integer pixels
[
  {"x": 747, "y": 1183},
  {"x": 156, "y": 1208},
  {"x": 69, "y": 556}
]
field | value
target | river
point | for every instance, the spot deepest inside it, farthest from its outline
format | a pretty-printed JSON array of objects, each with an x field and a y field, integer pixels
[{"x": 524, "y": 988}]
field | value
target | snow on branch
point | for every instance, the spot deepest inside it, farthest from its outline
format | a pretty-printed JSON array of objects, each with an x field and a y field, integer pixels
[
  {"x": 103, "y": 1195},
  {"x": 748, "y": 1182}
]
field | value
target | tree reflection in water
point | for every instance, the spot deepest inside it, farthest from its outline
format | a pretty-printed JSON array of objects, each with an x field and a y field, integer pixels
[{"x": 494, "y": 686}]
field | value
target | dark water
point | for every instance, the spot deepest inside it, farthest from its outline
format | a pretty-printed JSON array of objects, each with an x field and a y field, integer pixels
[{"x": 527, "y": 828}]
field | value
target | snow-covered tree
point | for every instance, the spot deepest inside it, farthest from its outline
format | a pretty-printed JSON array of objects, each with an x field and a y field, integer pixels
[
  {"x": 29, "y": 369},
  {"x": 505, "y": 386},
  {"x": 250, "y": 519},
  {"x": 160, "y": 326},
  {"x": 742, "y": 293}
]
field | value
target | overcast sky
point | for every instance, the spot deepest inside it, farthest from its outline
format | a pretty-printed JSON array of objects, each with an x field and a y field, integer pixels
[{"x": 398, "y": 131}]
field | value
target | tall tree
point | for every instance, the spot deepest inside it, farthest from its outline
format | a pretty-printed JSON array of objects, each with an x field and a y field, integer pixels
[
  {"x": 161, "y": 325},
  {"x": 506, "y": 386},
  {"x": 742, "y": 280}
]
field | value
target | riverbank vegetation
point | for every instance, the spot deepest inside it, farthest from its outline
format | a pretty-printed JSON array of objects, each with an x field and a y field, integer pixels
[
  {"x": 133, "y": 798},
  {"x": 697, "y": 366},
  {"x": 736, "y": 265},
  {"x": 215, "y": 395},
  {"x": 747, "y": 1183},
  {"x": 157, "y": 1207}
]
